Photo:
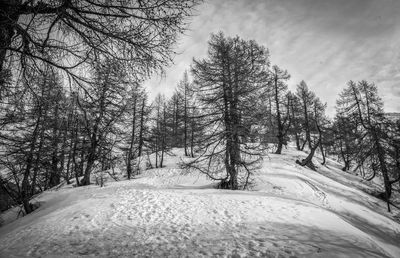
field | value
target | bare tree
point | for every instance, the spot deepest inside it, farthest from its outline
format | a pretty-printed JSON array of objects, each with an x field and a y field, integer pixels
[
  {"x": 34, "y": 146},
  {"x": 314, "y": 120},
  {"x": 295, "y": 114},
  {"x": 185, "y": 94},
  {"x": 278, "y": 89},
  {"x": 102, "y": 107},
  {"x": 227, "y": 82},
  {"x": 306, "y": 98},
  {"x": 68, "y": 34},
  {"x": 377, "y": 144}
]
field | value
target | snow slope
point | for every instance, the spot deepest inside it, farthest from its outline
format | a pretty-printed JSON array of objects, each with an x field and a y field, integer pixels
[{"x": 292, "y": 212}]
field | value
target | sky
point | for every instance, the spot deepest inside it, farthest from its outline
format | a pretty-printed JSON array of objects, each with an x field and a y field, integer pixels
[{"x": 326, "y": 43}]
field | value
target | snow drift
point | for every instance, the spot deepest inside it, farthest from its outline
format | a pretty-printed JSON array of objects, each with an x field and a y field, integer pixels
[{"x": 291, "y": 212}]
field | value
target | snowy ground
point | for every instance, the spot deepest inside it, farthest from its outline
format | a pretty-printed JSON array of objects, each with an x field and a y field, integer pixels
[{"x": 292, "y": 212}]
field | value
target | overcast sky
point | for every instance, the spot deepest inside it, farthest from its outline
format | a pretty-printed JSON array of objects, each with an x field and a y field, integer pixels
[{"x": 324, "y": 42}]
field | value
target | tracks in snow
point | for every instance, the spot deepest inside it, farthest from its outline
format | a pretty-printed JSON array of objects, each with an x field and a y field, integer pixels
[{"x": 128, "y": 219}]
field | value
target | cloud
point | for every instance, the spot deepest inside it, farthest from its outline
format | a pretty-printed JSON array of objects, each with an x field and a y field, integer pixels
[{"x": 324, "y": 42}]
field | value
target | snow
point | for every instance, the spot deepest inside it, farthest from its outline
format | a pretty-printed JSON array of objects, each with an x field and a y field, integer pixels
[{"x": 292, "y": 212}]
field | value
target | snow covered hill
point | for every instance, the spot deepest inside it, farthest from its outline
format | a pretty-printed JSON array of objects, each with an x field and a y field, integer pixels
[{"x": 292, "y": 212}]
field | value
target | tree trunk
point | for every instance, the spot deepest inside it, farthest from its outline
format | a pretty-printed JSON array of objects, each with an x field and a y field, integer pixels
[
  {"x": 37, "y": 161},
  {"x": 74, "y": 152},
  {"x": 384, "y": 170},
  {"x": 25, "y": 187},
  {"x": 307, "y": 127},
  {"x": 235, "y": 138},
  {"x": 91, "y": 158},
  {"x": 71, "y": 144},
  {"x": 279, "y": 120},
  {"x": 175, "y": 128},
  {"x": 297, "y": 141},
  {"x": 346, "y": 166},
  {"x": 321, "y": 147},
  {"x": 308, "y": 160},
  {"x": 230, "y": 131},
  {"x": 346, "y": 163},
  {"x": 185, "y": 128},
  {"x": 303, "y": 145},
  {"x": 296, "y": 135},
  {"x": 54, "y": 175},
  {"x": 62, "y": 154},
  {"x": 163, "y": 140},
  {"x": 71, "y": 129},
  {"x": 141, "y": 129},
  {"x": 192, "y": 140},
  {"x": 130, "y": 150},
  {"x": 280, "y": 145}
]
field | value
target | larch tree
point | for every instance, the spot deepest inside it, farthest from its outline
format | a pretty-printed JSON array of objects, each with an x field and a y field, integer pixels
[
  {"x": 306, "y": 98},
  {"x": 278, "y": 89},
  {"x": 321, "y": 124},
  {"x": 29, "y": 138},
  {"x": 361, "y": 102},
  {"x": 346, "y": 133},
  {"x": 174, "y": 107},
  {"x": 144, "y": 114},
  {"x": 294, "y": 109},
  {"x": 134, "y": 121},
  {"x": 71, "y": 39},
  {"x": 313, "y": 117},
  {"x": 185, "y": 93},
  {"x": 103, "y": 106},
  {"x": 227, "y": 82},
  {"x": 160, "y": 129}
]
